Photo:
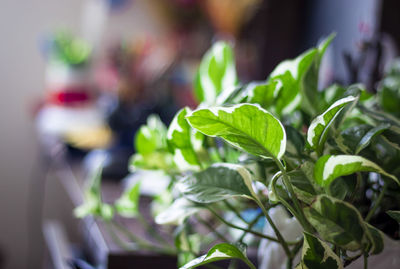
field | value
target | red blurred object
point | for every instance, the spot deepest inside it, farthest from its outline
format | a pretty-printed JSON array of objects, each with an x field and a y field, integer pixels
[{"x": 69, "y": 96}]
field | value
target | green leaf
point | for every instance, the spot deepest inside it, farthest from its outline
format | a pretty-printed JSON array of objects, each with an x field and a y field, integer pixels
[
  {"x": 295, "y": 141},
  {"x": 288, "y": 96},
  {"x": 245, "y": 126},
  {"x": 394, "y": 214},
  {"x": 330, "y": 167},
  {"x": 297, "y": 67},
  {"x": 151, "y": 137},
  {"x": 180, "y": 209},
  {"x": 370, "y": 135},
  {"x": 262, "y": 93},
  {"x": 337, "y": 222},
  {"x": 376, "y": 240},
  {"x": 330, "y": 95},
  {"x": 389, "y": 96},
  {"x": 309, "y": 88},
  {"x": 157, "y": 160},
  {"x": 128, "y": 204},
  {"x": 290, "y": 74},
  {"x": 70, "y": 50},
  {"x": 216, "y": 183},
  {"x": 223, "y": 251},
  {"x": 317, "y": 254},
  {"x": 217, "y": 71},
  {"x": 317, "y": 132},
  {"x": 303, "y": 188},
  {"x": 92, "y": 202},
  {"x": 179, "y": 138}
]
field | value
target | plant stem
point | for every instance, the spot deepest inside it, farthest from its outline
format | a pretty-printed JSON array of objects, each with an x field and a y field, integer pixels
[
  {"x": 300, "y": 216},
  {"x": 116, "y": 238},
  {"x": 151, "y": 230},
  {"x": 286, "y": 204},
  {"x": 143, "y": 244},
  {"x": 212, "y": 229},
  {"x": 250, "y": 225},
  {"x": 244, "y": 229},
  {"x": 365, "y": 261},
  {"x": 289, "y": 263},
  {"x": 277, "y": 233},
  {"x": 377, "y": 203},
  {"x": 233, "y": 209}
]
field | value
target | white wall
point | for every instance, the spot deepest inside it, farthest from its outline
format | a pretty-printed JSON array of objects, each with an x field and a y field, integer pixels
[
  {"x": 21, "y": 82},
  {"x": 22, "y": 23}
]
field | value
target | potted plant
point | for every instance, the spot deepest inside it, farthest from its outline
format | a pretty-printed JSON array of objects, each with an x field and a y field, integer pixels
[{"x": 314, "y": 173}]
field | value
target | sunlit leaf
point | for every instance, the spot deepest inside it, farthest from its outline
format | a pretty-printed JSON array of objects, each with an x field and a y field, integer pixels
[
  {"x": 157, "y": 160},
  {"x": 151, "y": 136},
  {"x": 179, "y": 138},
  {"x": 92, "y": 202},
  {"x": 245, "y": 126},
  {"x": 217, "y": 71},
  {"x": 128, "y": 204},
  {"x": 262, "y": 93},
  {"x": 290, "y": 75}
]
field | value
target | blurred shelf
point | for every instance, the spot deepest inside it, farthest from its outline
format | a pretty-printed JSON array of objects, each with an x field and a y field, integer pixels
[{"x": 99, "y": 246}]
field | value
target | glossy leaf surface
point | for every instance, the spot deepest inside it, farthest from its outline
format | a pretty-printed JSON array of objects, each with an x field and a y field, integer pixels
[
  {"x": 330, "y": 167},
  {"x": 223, "y": 251},
  {"x": 128, "y": 204},
  {"x": 320, "y": 125},
  {"x": 179, "y": 137},
  {"x": 217, "y": 72},
  {"x": 245, "y": 126},
  {"x": 316, "y": 254},
  {"x": 216, "y": 183},
  {"x": 337, "y": 222}
]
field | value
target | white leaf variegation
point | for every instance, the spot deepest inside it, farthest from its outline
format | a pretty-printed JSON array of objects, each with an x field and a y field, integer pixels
[
  {"x": 246, "y": 126},
  {"x": 319, "y": 126},
  {"x": 316, "y": 254},
  {"x": 217, "y": 72},
  {"x": 179, "y": 138},
  {"x": 330, "y": 167}
]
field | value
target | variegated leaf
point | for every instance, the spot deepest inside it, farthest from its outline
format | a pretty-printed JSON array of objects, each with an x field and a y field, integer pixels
[
  {"x": 217, "y": 72},
  {"x": 338, "y": 222},
  {"x": 318, "y": 128},
  {"x": 179, "y": 138},
  {"x": 330, "y": 167},
  {"x": 245, "y": 126},
  {"x": 217, "y": 183},
  {"x": 316, "y": 254}
]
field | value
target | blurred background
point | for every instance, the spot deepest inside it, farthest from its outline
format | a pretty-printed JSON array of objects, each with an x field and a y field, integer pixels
[{"x": 89, "y": 72}]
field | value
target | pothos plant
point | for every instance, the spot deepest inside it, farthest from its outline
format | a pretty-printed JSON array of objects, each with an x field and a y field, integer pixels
[{"x": 330, "y": 158}]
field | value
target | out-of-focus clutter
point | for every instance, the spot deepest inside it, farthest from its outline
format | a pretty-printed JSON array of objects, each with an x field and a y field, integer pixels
[
  {"x": 99, "y": 93},
  {"x": 70, "y": 111}
]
